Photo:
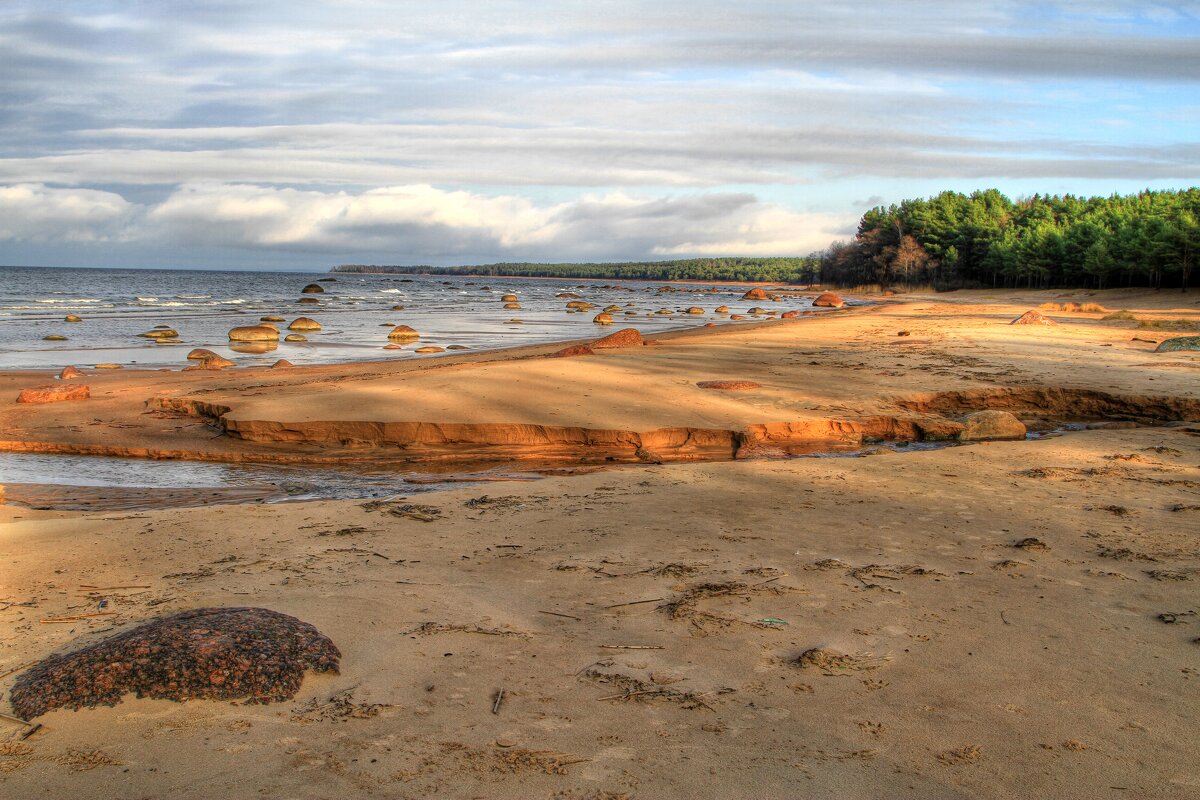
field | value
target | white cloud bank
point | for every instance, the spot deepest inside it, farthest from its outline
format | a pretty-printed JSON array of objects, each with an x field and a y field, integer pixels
[
  {"x": 421, "y": 223},
  {"x": 31, "y": 212}
]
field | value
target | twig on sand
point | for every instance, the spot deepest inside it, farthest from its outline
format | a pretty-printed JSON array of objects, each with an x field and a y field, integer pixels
[
  {"x": 499, "y": 700},
  {"x": 557, "y": 614},
  {"x": 109, "y": 588},
  {"x": 17, "y": 720},
  {"x": 627, "y": 695},
  {"x": 632, "y": 647},
  {"x": 17, "y": 668},
  {"x": 637, "y": 602},
  {"x": 77, "y": 617},
  {"x": 1003, "y": 619}
]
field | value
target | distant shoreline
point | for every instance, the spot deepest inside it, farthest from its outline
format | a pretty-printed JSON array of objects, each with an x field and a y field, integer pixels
[{"x": 793, "y": 286}]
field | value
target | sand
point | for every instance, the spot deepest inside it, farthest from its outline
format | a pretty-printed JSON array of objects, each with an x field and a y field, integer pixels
[{"x": 824, "y": 627}]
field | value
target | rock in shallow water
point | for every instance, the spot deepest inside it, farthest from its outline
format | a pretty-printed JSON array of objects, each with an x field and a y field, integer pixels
[{"x": 205, "y": 653}]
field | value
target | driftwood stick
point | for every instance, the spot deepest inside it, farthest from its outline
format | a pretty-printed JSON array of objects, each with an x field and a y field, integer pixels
[
  {"x": 557, "y": 614},
  {"x": 77, "y": 617},
  {"x": 499, "y": 700},
  {"x": 626, "y": 695},
  {"x": 17, "y": 668},
  {"x": 637, "y": 602},
  {"x": 17, "y": 720},
  {"x": 633, "y": 647}
]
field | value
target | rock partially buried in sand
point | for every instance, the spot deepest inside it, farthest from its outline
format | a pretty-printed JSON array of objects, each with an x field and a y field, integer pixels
[
  {"x": 254, "y": 333},
  {"x": 313, "y": 288},
  {"x": 54, "y": 337},
  {"x": 603, "y": 319},
  {"x": 730, "y": 386},
  {"x": 68, "y": 373},
  {"x": 789, "y": 315},
  {"x": 403, "y": 332},
  {"x": 106, "y": 366},
  {"x": 992, "y": 426},
  {"x": 207, "y": 359},
  {"x": 282, "y": 363},
  {"x": 205, "y": 653},
  {"x": 54, "y": 394},
  {"x": 1179, "y": 343},
  {"x": 72, "y": 318},
  {"x": 304, "y": 324},
  {"x": 574, "y": 350},
  {"x": 457, "y": 347},
  {"x": 1033, "y": 318},
  {"x": 755, "y": 294},
  {"x": 828, "y": 300},
  {"x": 626, "y": 337},
  {"x": 430, "y": 349}
]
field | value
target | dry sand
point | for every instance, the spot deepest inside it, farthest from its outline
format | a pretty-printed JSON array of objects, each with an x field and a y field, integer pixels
[{"x": 647, "y": 623}]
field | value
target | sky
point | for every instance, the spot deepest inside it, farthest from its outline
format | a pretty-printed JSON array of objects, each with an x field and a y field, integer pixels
[{"x": 282, "y": 135}]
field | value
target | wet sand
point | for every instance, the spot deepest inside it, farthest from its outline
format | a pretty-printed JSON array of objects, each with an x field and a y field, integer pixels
[{"x": 994, "y": 620}]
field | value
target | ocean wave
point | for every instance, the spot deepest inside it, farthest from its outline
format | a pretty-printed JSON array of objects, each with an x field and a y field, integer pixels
[
  {"x": 193, "y": 296},
  {"x": 74, "y": 300},
  {"x": 390, "y": 291}
]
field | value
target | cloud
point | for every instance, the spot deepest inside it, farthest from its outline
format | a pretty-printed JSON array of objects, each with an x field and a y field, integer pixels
[
  {"x": 33, "y": 212},
  {"x": 421, "y": 223}
]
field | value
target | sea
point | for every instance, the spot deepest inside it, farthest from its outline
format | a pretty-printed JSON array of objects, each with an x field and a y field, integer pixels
[{"x": 356, "y": 313}]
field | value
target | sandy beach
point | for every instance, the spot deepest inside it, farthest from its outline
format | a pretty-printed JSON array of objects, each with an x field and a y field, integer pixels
[{"x": 697, "y": 613}]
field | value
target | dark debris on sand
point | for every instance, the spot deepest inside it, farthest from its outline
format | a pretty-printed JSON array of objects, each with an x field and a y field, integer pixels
[{"x": 204, "y": 653}]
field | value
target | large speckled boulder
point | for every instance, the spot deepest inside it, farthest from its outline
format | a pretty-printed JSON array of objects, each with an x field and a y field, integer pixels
[{"x": 1179, "y": 343}]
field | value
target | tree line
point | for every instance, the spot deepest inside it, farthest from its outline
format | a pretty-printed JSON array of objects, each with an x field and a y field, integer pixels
[
  {"x": 984, "y": 239},
  {"x": 781, "y": 269}
]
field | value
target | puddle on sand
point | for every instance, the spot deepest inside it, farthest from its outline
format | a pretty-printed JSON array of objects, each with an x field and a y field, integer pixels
[{"x": 66, "y": 482}]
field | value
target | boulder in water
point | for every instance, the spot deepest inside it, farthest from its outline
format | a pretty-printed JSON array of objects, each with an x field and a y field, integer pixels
[
  {"x": 828, "y": 300},
  {"x": 54, "y": 337},
  {"x": 402, "y": 332},
  {"x": 160, "y": 333},
  {"x": 295, "y": 337},
  {"x": 313, "y": 288},
  {"x": 513, "y": 306},
  {"x": 72, "y": 318},
  {"x": 603, "y": 319},
  {"x": 308, "y": 301},
  {"x": 68, "y": 373},
  {"x": 271, "y": 318},
  {"x": 695, "y": 310},
  {"x": 755, "y": 294},
  {"x": 430, "y": 349},
  {"x": 207, "y": 359},
  {"x": 509, "y": 298},
  {"x": 304, "y": 324},
  {"x": 254, "y": 333},
  {"x": 721, "y": 310}
]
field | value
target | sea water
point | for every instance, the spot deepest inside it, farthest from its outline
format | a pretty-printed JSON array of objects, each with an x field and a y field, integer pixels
[{"x": 355, "y": 312}]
